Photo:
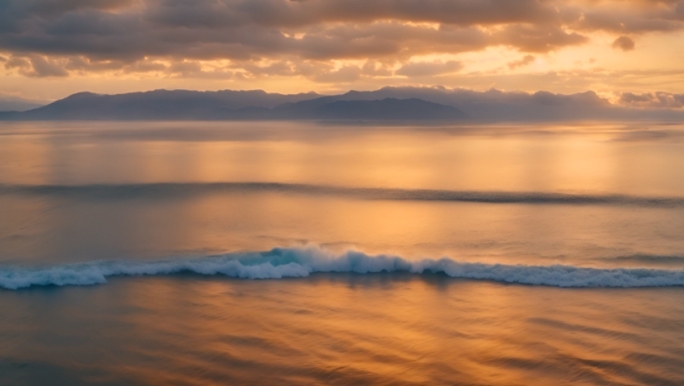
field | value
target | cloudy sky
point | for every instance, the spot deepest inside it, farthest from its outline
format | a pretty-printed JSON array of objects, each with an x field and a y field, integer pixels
[{"x": 626, "y": 49}]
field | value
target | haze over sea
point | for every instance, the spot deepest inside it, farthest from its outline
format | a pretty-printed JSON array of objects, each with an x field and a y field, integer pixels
[{"x": 200, "y": 253}]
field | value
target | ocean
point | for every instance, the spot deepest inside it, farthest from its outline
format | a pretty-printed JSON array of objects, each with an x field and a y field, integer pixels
[{"x": 213, "y": 253}]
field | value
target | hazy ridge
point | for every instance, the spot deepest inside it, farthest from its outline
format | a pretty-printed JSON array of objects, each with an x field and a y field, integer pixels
[{"x": 386, "y": 104}]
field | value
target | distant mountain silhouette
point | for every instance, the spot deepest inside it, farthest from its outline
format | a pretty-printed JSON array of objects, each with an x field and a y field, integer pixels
[
  {"x": 9, "y": 115},
  {"x": 233, "y": 105},
  {"x": 515, "y": 106},
  {"x": 11, "y": 103},
  {"x": 161, "y": 105},
  {"x": 389, "y": 103},
  {"x": 387, "y": 109}
]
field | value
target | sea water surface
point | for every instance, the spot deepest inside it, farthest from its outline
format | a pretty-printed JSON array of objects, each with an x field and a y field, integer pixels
[{"x": 200, "y": 253}]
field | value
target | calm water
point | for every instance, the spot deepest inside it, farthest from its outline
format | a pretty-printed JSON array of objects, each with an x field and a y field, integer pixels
[{"x": 413, "y": 255}]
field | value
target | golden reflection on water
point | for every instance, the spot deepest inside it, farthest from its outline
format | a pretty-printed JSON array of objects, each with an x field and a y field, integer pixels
[
  {"x": 341, "y": 329},
  {"x": 356, "y": 329},
  {"x": 590, "y": 159},
  {"x": 62, "y": 229},
  {"x": 546, "y": 158}
]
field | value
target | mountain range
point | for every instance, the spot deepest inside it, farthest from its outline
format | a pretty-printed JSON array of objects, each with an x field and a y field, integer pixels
[
  {"x": 387, "y": 104},
  {"x": 13, "y": 103}
]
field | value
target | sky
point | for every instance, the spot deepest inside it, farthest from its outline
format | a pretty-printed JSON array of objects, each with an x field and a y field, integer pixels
[{"x": 624, "y": 50}]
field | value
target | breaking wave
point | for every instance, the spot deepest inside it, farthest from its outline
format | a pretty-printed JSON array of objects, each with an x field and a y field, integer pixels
[{"x": 302, "y": 262}]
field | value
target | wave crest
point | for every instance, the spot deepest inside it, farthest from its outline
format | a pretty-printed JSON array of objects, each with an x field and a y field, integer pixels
[{"x": 301, "y": 262}]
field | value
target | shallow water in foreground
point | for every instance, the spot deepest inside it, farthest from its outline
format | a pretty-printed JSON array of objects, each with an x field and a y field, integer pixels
[
  {"x": 340, "y": 329},
  {"x": 127, "y": 252}
]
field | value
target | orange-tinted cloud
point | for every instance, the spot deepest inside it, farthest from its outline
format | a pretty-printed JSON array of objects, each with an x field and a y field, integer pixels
[
  {"x": 652, "y": 100},
  {"x": 379, "y": 42},
  {"x": 128, "y": 30},
  {"x": 527, "y": 59},
  {"x": 624, "y": 43},
  {"x": 418, "y": 69}
]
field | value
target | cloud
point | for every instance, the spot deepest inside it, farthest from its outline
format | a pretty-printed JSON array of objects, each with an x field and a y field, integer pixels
[
  {"x": 527, "y": 59},
  {"x": 652, "y": 100},
  {"x": 539, "y": 38},
  {"x": 346, "y": 74},
  {"x": 291, "y": 14},
  {"x": 624, "y": 43},
  {"x": 174, "y": 36},
  {"x": 420, "y": 69},
  {"x": 631, "y": 17},
  {"x": 17, "y": 63},
  {"x": 43, "y": 67},
  {"x": 376, "y": 69},
  {"x": 276, "y": 68},
  {"x": 36, "y": 66}
]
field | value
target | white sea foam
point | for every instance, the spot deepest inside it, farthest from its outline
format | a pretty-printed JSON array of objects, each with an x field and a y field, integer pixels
[{"x": 301, "y": 262}]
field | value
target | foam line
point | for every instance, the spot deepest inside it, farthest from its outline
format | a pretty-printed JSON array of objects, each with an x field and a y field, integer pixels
[
  {"x": 157, "y": 190},
  {"x": 301, "y": 262}
]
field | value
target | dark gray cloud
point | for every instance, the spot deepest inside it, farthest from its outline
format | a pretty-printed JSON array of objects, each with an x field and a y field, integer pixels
[
  {"x": 129, "y": 35},
  {"x": 293, "y": 14}
]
